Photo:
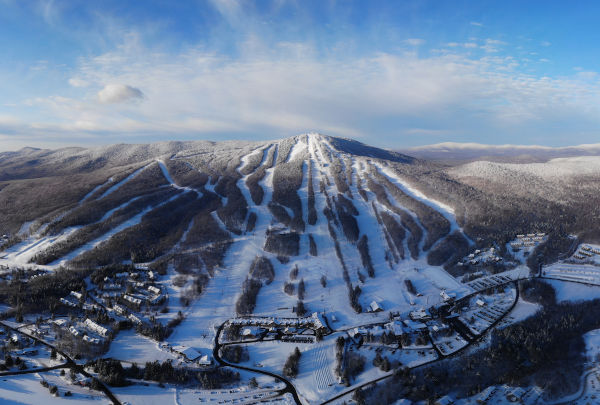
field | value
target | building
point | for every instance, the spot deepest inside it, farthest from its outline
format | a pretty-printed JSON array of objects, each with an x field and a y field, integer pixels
[
  {"x": 134, "y": 319},
  {"x": 187, "y": 352},
  {"x": 419, "y": 315},
  {"x": 133, "y": 300},
  {"x": 447, "y": 297},
  {"x": 375, "y": 307},
  {"x": 94, "y": 327}
]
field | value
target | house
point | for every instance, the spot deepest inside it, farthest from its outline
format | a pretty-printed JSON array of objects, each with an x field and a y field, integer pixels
[
  {"x": 419, "y": 315},
  {"x": 414, "y": 325},
  {"x": 68, "y": 302},
  {"x": 375, "y": 307},
  {"x": 154, "y": 290},
  {"x": 480, "y": 302},
  {"x": 134, "y": 319},
  {"x": 119, "y": 309},
  {"x": 91, "y": 340},
  {"x": 447, "y": 297},
  {"x": 60, "y": 322},
  {"x": 248, "y": 333},
  {"x": 187, "y": 352},
  {"x": 76, "y": 295},
  {"x": 395, "y": 327},
  {"x": 133, "y": 300},
  {"x": 204, "y": 360},
  {"x": 94, "y": 327},
  {"x": 318, "y": 321}
]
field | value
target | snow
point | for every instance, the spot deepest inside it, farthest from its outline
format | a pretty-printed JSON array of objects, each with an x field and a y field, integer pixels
[
  {"x": 134, "y": 348},
  {"x": 584, "y": 273},
  {"x": 568, "y": 291},
  {"x": 122, "y": 182},
  {"x": 98, "y": 187},
  {"x": 26, "y": 389},
  {"x": 168, "y": 177},
  {"x": 559, "y": 169},
  {"x": 592, "y": 344},
  {"x": 445, "y": 210},
  {"x": 521, "y": 311},
  {"x": 21, "y": 253},
  {"x": 315, "y": 370}
]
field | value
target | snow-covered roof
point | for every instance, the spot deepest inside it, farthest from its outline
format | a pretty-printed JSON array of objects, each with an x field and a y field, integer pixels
[
  {"x": 188, "y": 352},
  {"x": 374, "y": 306}
]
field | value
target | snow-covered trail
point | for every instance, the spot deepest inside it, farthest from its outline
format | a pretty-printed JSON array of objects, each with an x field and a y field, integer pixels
[
  {"x": 218, "y": 300},
  {"x": 98, "y": 187},
  {"x": 135, "y": 220},
  {"x": 244, "y": 160},
  {"x": 445, "y": 210},
  {"x": 167, "y": 175},
  {"x": 21, "y": 253},
  {"x": 123, "y": 182},
  {"x": 110, "y": 212},
  {"x": 413, "y": 215}
]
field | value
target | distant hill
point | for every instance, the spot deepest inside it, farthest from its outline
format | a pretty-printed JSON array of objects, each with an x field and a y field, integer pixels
[{"x": 454, "y": 153}]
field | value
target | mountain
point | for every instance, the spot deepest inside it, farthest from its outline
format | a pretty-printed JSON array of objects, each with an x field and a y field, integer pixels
[
  {"x": 334, "y": 208},
  {"x": 456, "y": 153},
  {"x": 183, "y": 241}
]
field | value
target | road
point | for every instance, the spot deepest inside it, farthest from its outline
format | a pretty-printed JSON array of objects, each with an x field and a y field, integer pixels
[
  {"x": 69, "y": 362},
  {"x": 475, "y": 340},
  {"x": 289, "y": 387}
]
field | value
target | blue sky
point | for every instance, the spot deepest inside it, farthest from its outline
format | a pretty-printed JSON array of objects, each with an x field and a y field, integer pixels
[{"x": 389, "y": 73}]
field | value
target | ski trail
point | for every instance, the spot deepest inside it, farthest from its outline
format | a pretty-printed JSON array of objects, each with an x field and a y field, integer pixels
[
  {"x": 91, "y": 193},
  {"x": 109, "y": 213},
  {"x": 135, "y": 220},
  {"x": 168, "y": 177},
  {"x": 402, "y": 208},
  {"x": 445, "y": 210},
  {"x": 245, "y": 158},
  {"x": 122, "y": 182},
  {"x": 22, "y": 252},
  {"x": 300, "y": 146}
]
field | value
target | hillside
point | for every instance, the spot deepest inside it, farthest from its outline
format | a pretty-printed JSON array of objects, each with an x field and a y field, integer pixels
[{"x": 199, "y": 245}]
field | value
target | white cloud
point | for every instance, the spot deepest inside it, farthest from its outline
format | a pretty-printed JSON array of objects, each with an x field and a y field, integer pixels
[
  {"x": 476, "y": 24},
  {"x": 118, "y": 93},
  {"x": 545, "y": 43},
  {"x": 287, "y": 92},
  {"x": 414, "y": 41}
]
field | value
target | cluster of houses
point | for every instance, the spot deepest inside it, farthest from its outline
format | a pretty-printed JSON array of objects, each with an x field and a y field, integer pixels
[
  {"x": 295, "y": 330},
  {"x": 131, "y": 289},
  {"x": 88, "y": 330},
  {"x": 76, "y": 300},
  {"x": 529, "y": 240},
  {"x": 480, "y": 313},
  {"x": 481, "y": 256},
  {"x": 586, "y": 252}
]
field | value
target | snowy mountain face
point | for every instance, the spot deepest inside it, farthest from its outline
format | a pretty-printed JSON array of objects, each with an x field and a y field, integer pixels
[{"x": 336, "y": 212}]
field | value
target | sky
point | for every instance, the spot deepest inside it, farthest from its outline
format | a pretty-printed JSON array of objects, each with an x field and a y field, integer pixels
[{"x": 392, "y": 74}]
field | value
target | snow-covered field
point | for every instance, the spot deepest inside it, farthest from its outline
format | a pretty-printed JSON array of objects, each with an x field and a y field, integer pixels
[
  {"x": 583, "y": 273},
  {"x": 568, "y": 291},
  {"x": 27, "y": 389}
]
